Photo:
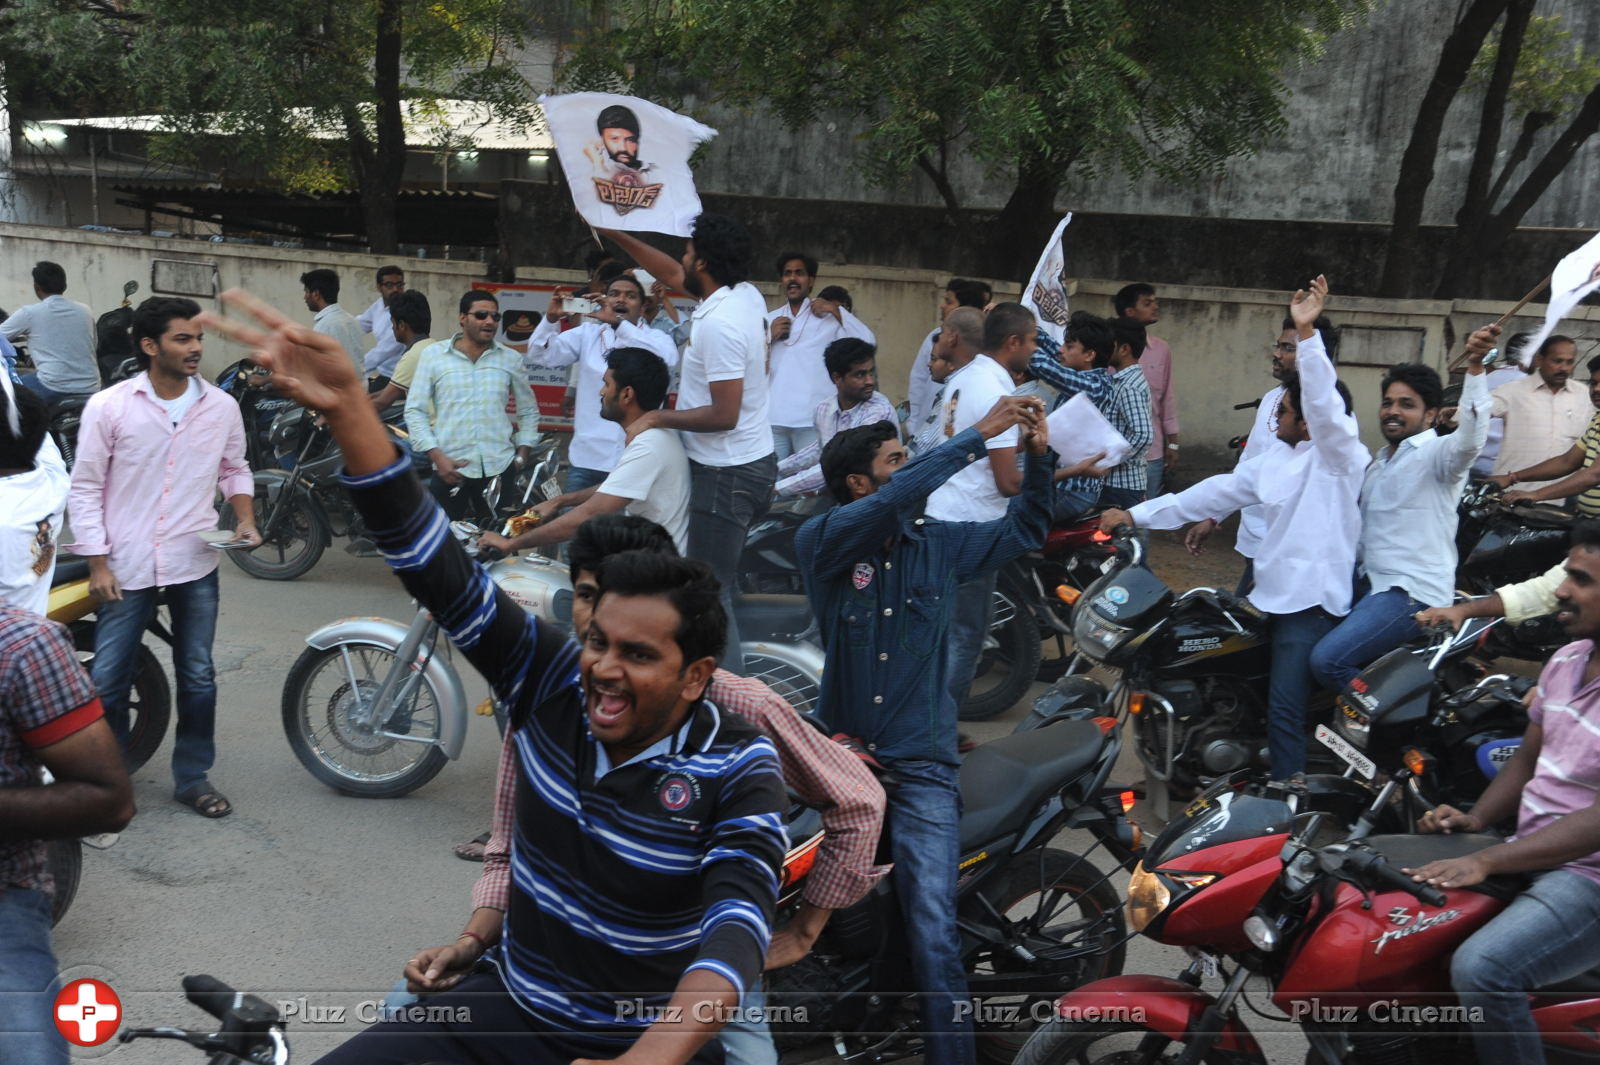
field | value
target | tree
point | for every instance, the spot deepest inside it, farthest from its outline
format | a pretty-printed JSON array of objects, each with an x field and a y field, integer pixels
[
  {"x": 1033, "y": 90},
  {"x": 316, "y": 90},
  {"x": 1532, "y": 73}
]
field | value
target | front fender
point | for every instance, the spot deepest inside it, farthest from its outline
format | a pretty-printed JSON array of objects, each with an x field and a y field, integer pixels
[
  {"x": 1159, "y": 1003},
  {"x": 381, "y": 632}
]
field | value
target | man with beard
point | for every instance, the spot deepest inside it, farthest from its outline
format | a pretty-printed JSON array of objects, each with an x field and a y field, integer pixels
[
  {"x": 618, "y": 127},
  {"x": 1545, "y": 414},
  {"x": 1407, "y": 556},
  {"x": 722, "y": 396},
  {"x": 800, "y": 330},
  {"x": 1551, "y": 931},
  {"x": 1576, "y": 468},
  {"x": 596, "y": 440},
  {"x": 645, "y": 825}
]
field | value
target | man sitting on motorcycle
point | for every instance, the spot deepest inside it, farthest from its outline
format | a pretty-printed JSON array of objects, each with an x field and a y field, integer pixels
[
  {"x": 645, "y": 825},
  {"x": 1304, "y": 562},
  {"x": 882, "y": 582},
  {"x": 1551, "y": 932}
]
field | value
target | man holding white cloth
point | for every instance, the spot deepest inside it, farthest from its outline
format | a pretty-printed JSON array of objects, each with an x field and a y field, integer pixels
[
  {"x": 800, "y": 330},
  {"x": 1310, "y": 494}
]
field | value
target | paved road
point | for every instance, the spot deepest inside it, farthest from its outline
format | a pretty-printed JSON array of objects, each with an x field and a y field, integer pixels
[{"x": 302, "y": 893}]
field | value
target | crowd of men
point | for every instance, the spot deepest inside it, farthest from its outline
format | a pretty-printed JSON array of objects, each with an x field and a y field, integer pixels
[{"x": 636, "y": 835}]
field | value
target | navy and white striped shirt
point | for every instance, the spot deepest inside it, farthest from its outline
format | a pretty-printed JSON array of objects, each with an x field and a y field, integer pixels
[{"x": 623, "y": 878}]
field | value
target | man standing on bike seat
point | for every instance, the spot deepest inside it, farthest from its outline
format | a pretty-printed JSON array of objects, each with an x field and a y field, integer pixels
[
  {"x": 882, "y": 583},
  {"x": 1311, "y": 488},
  {"x": 1550, "y": 932},
  {"x": 646, "y": 824}
]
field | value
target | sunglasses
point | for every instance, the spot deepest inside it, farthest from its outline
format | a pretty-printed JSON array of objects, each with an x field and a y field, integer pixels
[{"x": 484, "y": 315}]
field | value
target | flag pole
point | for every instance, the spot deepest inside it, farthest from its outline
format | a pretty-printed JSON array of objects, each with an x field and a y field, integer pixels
[{"x": 1506, "y": 317}]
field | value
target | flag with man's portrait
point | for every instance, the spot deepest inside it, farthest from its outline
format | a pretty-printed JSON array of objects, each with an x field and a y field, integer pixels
[
  {"x": 1046, "y": 292},
  {"x": 626, "y": 160}
]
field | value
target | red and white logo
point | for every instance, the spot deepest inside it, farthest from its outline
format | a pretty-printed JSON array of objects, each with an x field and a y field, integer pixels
[
  {"x": 87, "y": 1013},
  {"x": 862, "y": 575}
]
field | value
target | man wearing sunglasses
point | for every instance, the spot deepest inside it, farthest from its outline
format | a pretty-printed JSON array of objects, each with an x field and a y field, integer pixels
[{"x": 456, "y": 409}]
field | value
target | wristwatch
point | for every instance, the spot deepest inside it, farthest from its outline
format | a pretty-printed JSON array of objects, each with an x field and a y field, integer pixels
[{"x": 1172, "y": 447}]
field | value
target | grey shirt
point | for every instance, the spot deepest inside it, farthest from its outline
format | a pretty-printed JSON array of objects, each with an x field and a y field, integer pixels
[
  {"x": 60, "y": 343},
  {"x": 343, "y": 326}
]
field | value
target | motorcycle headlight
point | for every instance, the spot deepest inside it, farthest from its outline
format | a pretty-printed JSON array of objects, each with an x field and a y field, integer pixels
[
  {"x": 285, "y": 431},
  {"x": 1259, "y": 931},
  {"x": 1352, "y": 722},
  {"x": 1147, "y": 897},
  {"x": 1094, "y": 635}
]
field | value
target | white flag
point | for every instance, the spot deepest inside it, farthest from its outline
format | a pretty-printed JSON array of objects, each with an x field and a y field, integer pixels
[
  {"x": 1573, "y": 279},
  {"x": 1046, "y": 294},
  {"x": 626, "y": 160}
]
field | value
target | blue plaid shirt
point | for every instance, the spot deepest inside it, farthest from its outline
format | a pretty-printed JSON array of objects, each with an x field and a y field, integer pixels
[
  {"x": 1096, "y": 384},
  {"x": 1129, "y": 414},
  {"x": 882, "y": 582}
]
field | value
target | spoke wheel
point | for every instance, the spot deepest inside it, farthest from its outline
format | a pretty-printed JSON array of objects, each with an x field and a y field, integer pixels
[
  {"x": 798, "y": 687},
  {"x": 293, "y": 545},
  {"x": 1010, "y": 658}
]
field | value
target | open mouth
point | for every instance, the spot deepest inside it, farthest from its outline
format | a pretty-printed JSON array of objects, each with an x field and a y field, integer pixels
[{"x": 607, "y": 705}]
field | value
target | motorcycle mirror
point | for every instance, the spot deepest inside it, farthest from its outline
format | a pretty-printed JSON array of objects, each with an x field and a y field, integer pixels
[{"x": 129, "y": 289}]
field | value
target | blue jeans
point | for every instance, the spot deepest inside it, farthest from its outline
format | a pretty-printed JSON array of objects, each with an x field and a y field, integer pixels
[
  {"x": 1155, "y": 476},
  {"x": 1549, "y": 933},
  {"x": 786, "y": 441},
  {"x": 581, "y": 477},
  {"x": 724, "y": 501},
  {"x": 119, "y": 628},
  {"x": 1376, "y": 625},
  {"x": 923, "y": 822},
  {"x": 747, "y": 1039},
  {"x": 28, "y": 982},
  {"x": 1289, "y": 686},
  {"x": 1121, "y": 498},
  {"x": 1070, "y": 504},
  {"x": 31, "y": 382},
  {"x": 969, "y": 625}
]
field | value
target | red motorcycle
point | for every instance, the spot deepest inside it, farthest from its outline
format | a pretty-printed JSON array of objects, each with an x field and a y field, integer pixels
[{"x": 1353, "y": 951}]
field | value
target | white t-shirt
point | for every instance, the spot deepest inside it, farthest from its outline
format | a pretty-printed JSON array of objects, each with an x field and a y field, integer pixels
[
  {"x": 177, "y": 408},
  {"x": 654, "y": 474},
  {"x": 31, "y": 507},
  {"x": 727, "y": 342},
  {"x": 970, "y": 393}
]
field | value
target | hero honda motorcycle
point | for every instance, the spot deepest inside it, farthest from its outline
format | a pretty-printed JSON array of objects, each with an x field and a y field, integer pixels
[
  {"x": 1032, "y": 918},
  {"x": 1352, "y": 949},
  {"x": 1500, "y": 544}
]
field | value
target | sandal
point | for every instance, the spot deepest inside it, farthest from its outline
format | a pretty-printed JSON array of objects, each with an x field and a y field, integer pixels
[
  {"x": 472, "y": 850},
  {"x": 207, "y": 802}
]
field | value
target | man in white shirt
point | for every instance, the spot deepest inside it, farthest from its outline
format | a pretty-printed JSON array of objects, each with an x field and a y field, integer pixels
[
  {"x": 800, "y": 330},
  {"x": 1408, "y": 513},
  {"x": 853, "y": 366},
  {"x": 60, "y": 338},
  {"x": 722, "y": 396},
  {"x": 652, "y": 478},
  {"x": 33, "y": 498},
  {"x": 327, "y": 317},
  {"x": 921, "y": 388},
  {"x": 386, "y": 348},
  {"x": 597, "y": 442},
  {"x": 979, "y": 492},
  {"x": 1310, "y": 490},
  {"x": 1545, "y": 412}
]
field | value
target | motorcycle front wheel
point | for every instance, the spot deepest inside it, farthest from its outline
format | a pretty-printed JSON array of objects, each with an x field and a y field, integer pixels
[
  {"x": 1063, "y": 1042},
  {"x": 149, "y": 698},
  {"x": 322, "y": 690},
  {"x": 799, "y": 686},
  {"x": 290, "y": 548},
  {"x": 1010, "y": 658},
  {"x": 1053, "y": 901}
]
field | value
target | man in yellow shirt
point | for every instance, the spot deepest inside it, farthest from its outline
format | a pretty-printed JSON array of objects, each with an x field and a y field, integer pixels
[{"x": 412, "y": 320}]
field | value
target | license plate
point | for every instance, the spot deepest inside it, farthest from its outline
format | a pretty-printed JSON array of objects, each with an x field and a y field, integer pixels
[
  {"x": 551, "y": 488},
  {"x": 1341, "y": 747}
]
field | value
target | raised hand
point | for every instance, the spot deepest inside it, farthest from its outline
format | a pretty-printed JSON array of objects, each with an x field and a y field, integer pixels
[
  {"x": 1007, "y": 412},
  {"x": 1481, "y": 342},
  {"x": 1306, "y": 306},
  {"x": 310, "y": 368}
]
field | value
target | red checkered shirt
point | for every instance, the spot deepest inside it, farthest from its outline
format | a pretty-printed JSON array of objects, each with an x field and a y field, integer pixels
[
  {"x": 821, "y": 772},
  {"x": 45, "y": 696}
]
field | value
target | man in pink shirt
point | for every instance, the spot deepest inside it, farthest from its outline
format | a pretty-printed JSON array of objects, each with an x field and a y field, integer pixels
[
  {"x": 152, "y": 452},
  {"x": 1137, "y": 302}
]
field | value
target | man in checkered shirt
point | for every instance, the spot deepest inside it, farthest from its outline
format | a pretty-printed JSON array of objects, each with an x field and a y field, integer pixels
[
  {"x": 50, "y": 718},
  {"x": 1129, "y": 413}
]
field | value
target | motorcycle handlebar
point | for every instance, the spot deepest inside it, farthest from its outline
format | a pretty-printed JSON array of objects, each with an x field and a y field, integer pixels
[
  {"x": 1378, "y": 868},
  {"x": 210, "y": 994}
]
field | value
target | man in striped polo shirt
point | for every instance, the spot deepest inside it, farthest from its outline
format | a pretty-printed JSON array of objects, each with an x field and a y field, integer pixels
[
  {"x": 1550, "y": 932},
  {"x": 646, "y": 833}
]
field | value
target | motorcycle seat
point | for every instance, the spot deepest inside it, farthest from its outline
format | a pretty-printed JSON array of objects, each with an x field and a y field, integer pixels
[
  {"x": 66, "y": 405},
  {"x": 1004, "y": 781},
  {"x": 1410, "y": 851},
  {"x": 68, "y": 569},
  {"x": 777, "y": 618}
]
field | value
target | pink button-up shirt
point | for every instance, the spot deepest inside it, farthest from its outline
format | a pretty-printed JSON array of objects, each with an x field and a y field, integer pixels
[
  {"x": 143, "y": 488},
  {"x": 1156, "y": 362}
]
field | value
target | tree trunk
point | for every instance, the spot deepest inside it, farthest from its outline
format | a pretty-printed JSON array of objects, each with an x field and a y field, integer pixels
[
  {"x": 1009, "y": 246},
  {"x": 938, "y": 174},
  {"x": 1461, "y": 47},
  {"x": 380, "y": 162},
  {"x": 1476, "y": 202}
]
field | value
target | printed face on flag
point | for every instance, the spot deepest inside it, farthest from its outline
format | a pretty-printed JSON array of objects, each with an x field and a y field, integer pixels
[
  {"x": 626, "y": 160},
  {"x": 1046, "y": 292}
]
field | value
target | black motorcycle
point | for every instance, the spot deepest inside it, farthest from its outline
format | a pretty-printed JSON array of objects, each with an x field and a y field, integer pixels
[
  {"x": 1034, "y": 920},
  {"x": 1500, "y": 544}
]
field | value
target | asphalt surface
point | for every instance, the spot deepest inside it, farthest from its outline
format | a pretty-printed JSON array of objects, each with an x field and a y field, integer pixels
[{"x": 304, "y": 896}]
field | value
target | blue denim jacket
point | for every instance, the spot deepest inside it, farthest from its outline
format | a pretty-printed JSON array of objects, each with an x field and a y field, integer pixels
[{"x": 882, "y": 582}]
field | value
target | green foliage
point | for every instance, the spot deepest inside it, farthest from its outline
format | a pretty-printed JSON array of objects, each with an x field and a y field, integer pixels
[
  {"x": 1167, "y": 85},
  {"x": 1554, "y": 73}
]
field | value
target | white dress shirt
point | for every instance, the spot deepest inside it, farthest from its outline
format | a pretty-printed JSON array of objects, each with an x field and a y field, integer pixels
[
  {"x": 922, "y": 391},
  {"x": 1262, "y": 440},
  {"x": 60, "y": 343},
  {"x": 971, "y": 494},
  {"x": 728, "y": 342},
  {"x": 1310, "y": 495},
  {"x": 386, "y": 350},
  {"x": 338, "y": 323},
  {"x": 797, "y": 376},
  {"x": 596, "y": 443},
  {"x": 1408, "y": 503}
]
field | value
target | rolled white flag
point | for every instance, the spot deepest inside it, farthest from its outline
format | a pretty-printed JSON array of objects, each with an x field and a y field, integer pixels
[{"x": 1573, "y": 279}]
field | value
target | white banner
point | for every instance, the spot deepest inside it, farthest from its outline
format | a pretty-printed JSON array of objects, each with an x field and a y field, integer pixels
[
  {"x": 1046, "y": 294},
  {"x": 626, "y": 160},
  {"x": 1573, "y": 279}
]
